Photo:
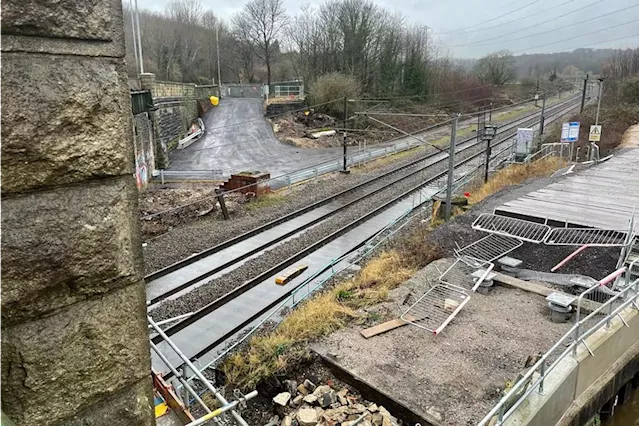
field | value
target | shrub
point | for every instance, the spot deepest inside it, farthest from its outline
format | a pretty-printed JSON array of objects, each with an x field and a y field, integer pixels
[
  {"x": 333, "y": 86},
  {"x": 629, "y": 90}
]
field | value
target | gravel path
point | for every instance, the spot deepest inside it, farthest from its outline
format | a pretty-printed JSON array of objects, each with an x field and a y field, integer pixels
[{"x": 459, "y": 373}]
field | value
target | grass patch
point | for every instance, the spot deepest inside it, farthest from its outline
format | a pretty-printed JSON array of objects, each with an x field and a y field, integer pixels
[
  {"x": 380, "y": 162},
  {"x": 515, "y": 175},
  {"x": 267, "y": 200},
  {"x": 324, "y": 313}
]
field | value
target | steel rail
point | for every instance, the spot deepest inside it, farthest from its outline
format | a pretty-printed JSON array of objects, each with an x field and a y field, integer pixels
[
  {"x": 245, "y": 255},
  {"x": 258, "y": 280},
  {"x": 205, "y": 310},
  {"x": 225, "y": 244}
]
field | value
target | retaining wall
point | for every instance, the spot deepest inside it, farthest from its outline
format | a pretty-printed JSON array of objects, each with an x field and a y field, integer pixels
[
  {"x": 75, "y": 347},
  {"x": 176, "y": 105},
  {"x": 578, "y": 387}
]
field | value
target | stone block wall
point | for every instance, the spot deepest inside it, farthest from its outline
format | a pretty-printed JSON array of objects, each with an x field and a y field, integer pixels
[
  {"x": 143, "y": 149},
  {"x": 75, "y": 345},
  {"x": 177, "y": 105}
]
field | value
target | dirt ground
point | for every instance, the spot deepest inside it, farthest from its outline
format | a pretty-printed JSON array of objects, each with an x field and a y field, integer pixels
[
  {"x": 630, "y": 137},
  {"x": 455, "y": 376},
  {"x": 163, "y": 198}
]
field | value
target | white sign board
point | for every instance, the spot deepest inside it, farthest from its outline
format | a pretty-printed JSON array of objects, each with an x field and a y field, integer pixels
[
  {"x": 570, "y": 131},
  {"x": 524, "y": 141},
  {"x": 594, "y": 133}
]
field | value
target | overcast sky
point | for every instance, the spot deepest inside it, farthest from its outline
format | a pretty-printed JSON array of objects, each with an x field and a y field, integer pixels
[{"x": 465, "y": 27}]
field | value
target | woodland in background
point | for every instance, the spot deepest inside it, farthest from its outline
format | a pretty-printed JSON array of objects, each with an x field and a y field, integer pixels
[{"x": 377, "y": 48}]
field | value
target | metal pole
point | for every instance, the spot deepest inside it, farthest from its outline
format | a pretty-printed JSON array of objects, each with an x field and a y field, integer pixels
[
  {"x": 196, "y": 372},
  {"x": 218, "y": 58},
  {"x": 452, "y": 155},
  {"x": 133, "y": 33},
  {"x": 544, "y": 101},
  {"x": 139, "y": 38},
  {"x": 486, "y": 163},
  {"x": 344, "y": 138},
  {"x": 182, "y": 380},
  {"x": 584, "y": 93},
  {"x": 537, "y": 91},
  {"x": 599, "y": 99}
]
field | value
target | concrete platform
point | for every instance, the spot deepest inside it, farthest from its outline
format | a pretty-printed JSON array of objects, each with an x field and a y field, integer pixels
[{"x": 453, "y": 378}]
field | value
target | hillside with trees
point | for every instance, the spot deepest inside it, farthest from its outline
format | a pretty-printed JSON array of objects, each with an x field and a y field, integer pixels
[{"x": 378, "y": 48}]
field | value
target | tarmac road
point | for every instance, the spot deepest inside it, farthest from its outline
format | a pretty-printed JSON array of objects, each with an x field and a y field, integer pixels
[{"x": 229, "y": 146}]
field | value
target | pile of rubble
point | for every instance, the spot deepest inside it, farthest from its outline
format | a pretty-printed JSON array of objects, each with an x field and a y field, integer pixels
[{"x": 310, "y": 405}]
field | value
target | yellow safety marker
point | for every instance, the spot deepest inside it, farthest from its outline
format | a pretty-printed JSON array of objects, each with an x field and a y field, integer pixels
[
  {"x": 214, "y": 100},
  {"x": 161, "y": 409},
  {"x": 290, "y": 274}
]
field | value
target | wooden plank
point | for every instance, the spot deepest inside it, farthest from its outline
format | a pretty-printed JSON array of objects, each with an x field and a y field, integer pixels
[
  {"x": 384, "y": 327},
  {"x": 541, "y": 289}
]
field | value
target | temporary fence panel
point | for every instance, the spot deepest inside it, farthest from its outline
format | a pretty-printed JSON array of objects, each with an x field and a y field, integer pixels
[
  {"x": 436, "y": 308},
  {"x": 461, "y": 273},
  {"x": 521, "y": 229},
  {"x": 490, "y": 248},
  {"x": 586, "y": 236}
]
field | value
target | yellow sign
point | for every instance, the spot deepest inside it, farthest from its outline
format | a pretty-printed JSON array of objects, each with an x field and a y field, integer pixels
[{"x": 594, "y": 133}]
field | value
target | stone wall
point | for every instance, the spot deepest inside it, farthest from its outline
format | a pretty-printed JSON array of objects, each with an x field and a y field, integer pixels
[
  {"x": 143, "y": 149},
  {"x": 177, "y": 105},
  {"x": 75, "y": 345}
]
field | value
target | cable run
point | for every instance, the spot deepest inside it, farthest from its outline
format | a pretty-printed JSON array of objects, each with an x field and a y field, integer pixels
[
  {"x": 578, "y": 36},
  {"x": 419, "y": 96},
  {"x": 525, "y": 17},
  {"x": 464, "y": 30},
  {"x": 501, "y": 36}
]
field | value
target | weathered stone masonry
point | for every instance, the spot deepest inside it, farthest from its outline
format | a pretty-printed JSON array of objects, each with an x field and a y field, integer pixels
[{"x": 74, "y": 333}]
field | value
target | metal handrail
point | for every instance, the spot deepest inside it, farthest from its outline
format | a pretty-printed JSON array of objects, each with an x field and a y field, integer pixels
[{"x": 503, "y": 411}]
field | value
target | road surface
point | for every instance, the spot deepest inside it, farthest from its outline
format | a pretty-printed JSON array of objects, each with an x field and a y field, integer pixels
[{"x": 238, "y": 139}]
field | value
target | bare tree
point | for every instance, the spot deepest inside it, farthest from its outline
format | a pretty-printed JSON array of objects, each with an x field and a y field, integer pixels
[
  {"x": 497, "y": 68},
  {"x": 260, "y": 23}
]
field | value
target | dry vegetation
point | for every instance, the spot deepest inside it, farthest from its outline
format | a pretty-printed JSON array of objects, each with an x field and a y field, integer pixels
[
  {"x": 326, "y": 312},
  {"x": 515, "y": 175},
  {"x": 334, "y": 307}
]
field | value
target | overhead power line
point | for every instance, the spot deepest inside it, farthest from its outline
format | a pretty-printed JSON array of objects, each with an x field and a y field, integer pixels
[
  {"x": 502, "y": 24},
  {"x": 463, "y": 30},
  {"x": 502, "y": 36},
  {"x": 578, "y": 36}
]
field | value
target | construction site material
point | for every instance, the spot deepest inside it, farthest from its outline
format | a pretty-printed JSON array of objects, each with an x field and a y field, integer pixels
[
  {"x": 290, "y": 274},
  {"x": 560, "y": 306},
  {"x": 385, "y": 326},
  {"x": 568, "y": 258},
  {"x": 461, "y": 273},
  {"x": 602, "y": 196},
  {"x": 586, "y": 236},
  {"x": 195, "y": 132},
  {"x": 522, "y": 229},
  {"x": 540, "y": 289},
  {"x": 436, "y": 308},
  {"x": 489, "y": 248}
]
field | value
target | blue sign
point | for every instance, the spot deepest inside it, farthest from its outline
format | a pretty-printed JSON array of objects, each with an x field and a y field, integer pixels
[{"x": 570, "y": 132}]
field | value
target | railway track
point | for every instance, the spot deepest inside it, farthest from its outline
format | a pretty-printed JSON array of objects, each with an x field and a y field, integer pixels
[
  {"x": 177, "y": 277},
  {"x": 234, "y": 308}
]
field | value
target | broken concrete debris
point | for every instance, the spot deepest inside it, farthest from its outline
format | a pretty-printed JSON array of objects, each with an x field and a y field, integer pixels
[
  {"x": 325, "y": 406},
  {"x": 282, "y": 399}
]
